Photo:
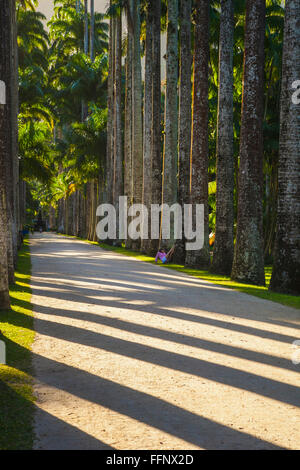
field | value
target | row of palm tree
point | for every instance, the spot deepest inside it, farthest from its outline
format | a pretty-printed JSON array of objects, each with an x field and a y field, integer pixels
[{"x": 185, "y": 173}]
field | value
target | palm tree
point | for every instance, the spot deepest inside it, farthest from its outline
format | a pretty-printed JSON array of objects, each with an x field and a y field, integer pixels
[
  {"x": 286, "y": 270},
  {"x": 170, "y": 157},
  {"x": 273, "y": 63},
  {"x": 84, "y": 108},
  {"x": 223, "y": 246},
  {"x": 92, "y": 32},
  {"x": 33, "y": 39},
  {"x": 86, "y": 28},
  {"x": 128, "y": 181},
  {"x": 33, "y": 66},
  {"x": 184, "y": 114},
  {"x": 137, "y": 131},
  {"x": 248, "y": 263},
  {"x": 147, "y": 150},
  {"x": 4, "y": 235},
  {"x": 110, "y": 112},
  {"x": 4, "y": 292},
  {"x": 69, "y": 34},
  {"x": 6, "y": 157},
  {"x": 199, "y": 152},
  {"x": 156, "y": 161},
  {"x": 118, "y": 154},
  {"x": 8, "y": 73},
  {"x": 14, "y": 134}
]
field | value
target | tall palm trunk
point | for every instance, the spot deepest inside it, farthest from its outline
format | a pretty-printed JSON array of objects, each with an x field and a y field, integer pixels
[
  {"x": 118, "y": 155},
  {"x": 13, "y": 162},
  {"x": 223, "y": 246},
  {"x": 92, "y": 198},
  {"x": 248, "y": 264},
  {"x": 22, "y": 202},
  {"x": 199, "y": 152},
  {"x": 137, "y": 137},
  {"x": 66, "y": 215},
  {"x": 14, "y": 134},
  {"x": 86, "y": 28},
  {"x": 8, "y": 126},
  {"x": 185, "y": 88},
  {"x": 82, "y": 213},
  {"x": 156, "y": 163},
  {"x": 147, "y": 150},
  {"x": 84, "y": 109},
  {"x": 128, "y": 182},
  {"x": 110, "y": 114},
  {"x": 88, "y": 210},
  {"x": 4, "y": 293},
  {"x": 92, "y": 32},
  {"x": 170, "y": 158},
  {"x": 286, "y": 271}
]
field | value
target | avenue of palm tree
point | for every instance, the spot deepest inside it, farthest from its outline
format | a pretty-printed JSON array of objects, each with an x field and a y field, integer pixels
[{"x": 164, "y": 102}]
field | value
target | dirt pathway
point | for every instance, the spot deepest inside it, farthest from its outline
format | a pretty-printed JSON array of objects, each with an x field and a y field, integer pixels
[{"x": 134, "y": 356}]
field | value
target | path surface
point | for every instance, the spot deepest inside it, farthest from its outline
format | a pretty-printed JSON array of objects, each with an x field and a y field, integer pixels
[{"x": 129, "y": 355}]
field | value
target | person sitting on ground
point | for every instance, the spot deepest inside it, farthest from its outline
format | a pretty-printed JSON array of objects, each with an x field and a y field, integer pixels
[{"x": 163, "y": 256}]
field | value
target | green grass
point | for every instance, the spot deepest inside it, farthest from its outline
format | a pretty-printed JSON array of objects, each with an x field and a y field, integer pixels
[
  {"x": 16, "y": 393},
  {"x": 224, "y": 281}
]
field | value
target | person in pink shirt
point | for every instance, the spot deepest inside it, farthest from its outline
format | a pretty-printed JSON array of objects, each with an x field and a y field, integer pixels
[{"x": 163, "y": 256}]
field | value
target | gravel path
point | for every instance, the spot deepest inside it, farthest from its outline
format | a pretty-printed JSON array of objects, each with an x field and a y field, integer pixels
[{"x": 129, "y": 355}]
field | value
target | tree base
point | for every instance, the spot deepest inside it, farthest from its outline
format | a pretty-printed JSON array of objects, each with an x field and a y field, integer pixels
[
  {"x": 220, "y": 268},
  {"x": 4, "y": 300},
  {"x": 247, "y": 280},
  {"x": 198, "y": 259},
  {"x": 284, "y": 283}
]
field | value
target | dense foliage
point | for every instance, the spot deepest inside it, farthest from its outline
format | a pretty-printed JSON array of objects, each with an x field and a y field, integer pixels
[{"x": 57, "y": 147}]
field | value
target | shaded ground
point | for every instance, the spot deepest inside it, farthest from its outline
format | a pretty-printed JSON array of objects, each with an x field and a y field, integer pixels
[{"x": 133, "y": 356}]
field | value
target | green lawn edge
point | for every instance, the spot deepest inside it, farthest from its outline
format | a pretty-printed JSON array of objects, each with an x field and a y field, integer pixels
[
  {"x": 16, "y": 384},
  {"x": 222, "y": 281}
]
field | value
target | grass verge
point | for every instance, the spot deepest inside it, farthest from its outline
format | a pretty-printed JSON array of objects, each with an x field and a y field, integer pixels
[
  {"x": 16, "y": 393},
  {"x": 224, "y": 281}
]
